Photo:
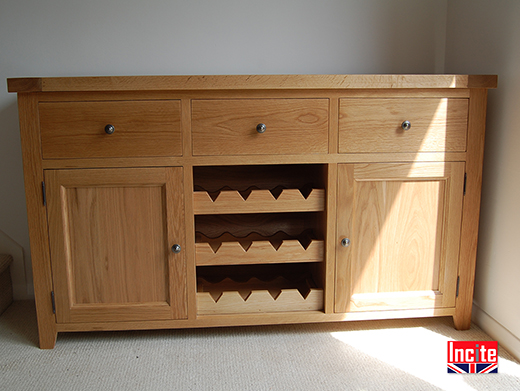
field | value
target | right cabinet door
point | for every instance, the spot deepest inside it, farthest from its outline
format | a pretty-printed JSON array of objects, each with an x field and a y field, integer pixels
[{"x": 402, "y": 222}]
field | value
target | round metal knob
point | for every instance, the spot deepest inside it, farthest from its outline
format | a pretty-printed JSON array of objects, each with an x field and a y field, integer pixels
[
  {"x": 109, "y": 129},
  {"x": 176, "y": 248},
  {"x": 261, "y": 128},
  {"x": 345, "y": 242},
  {"x": 406, "y": 125}
]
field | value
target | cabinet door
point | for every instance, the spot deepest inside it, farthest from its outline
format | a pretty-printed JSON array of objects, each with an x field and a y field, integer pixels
[
  {"x": 403, "y": 222},
  {"x": 111, "y": 236}
]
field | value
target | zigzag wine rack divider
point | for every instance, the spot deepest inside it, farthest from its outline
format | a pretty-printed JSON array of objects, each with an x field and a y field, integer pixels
[
  {"x": 255, "y": 296},
  {"x": 255, "y": 248},
  {"x": 254, "y": 200}
]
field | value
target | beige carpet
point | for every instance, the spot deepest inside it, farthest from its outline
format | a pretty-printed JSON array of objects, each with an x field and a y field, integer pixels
[{"x": 378, "y": 355}]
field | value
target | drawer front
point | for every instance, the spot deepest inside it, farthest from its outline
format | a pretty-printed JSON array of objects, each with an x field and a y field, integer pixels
[
  {"x": 229, "y": 127},
  {"x": 378, "y": 125},
  {"x": 141, "y": 128}
]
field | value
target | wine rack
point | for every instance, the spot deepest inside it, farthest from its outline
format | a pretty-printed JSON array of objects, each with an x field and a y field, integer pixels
[
  {"x": 258, "y": 216},
  {"x": 255, "y": 200},
  {"x": 257, "y": 289},
  {"x": 254, "y": 248}
]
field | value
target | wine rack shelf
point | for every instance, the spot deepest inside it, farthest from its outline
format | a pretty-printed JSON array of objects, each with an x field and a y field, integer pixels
[
  {"x": 257, "y": 296},
  {"x": 254, "y": 248},
  {"x": 258, "y": 201}
]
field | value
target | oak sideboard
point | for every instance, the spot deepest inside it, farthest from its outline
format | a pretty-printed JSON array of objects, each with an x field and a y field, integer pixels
[{"x": 160, "y": 202}]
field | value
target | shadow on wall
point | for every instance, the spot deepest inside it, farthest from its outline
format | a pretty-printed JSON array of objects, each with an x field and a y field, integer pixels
[{"x": 13, "y": 214}]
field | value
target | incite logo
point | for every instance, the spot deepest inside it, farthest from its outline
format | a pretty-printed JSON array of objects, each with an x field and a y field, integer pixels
[{"x": 472, "y": 357}]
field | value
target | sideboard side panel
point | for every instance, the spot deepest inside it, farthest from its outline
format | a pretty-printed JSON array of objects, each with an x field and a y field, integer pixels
[
  {"x": 471, "y": 208},
  {"x": 37, "y": 218}
]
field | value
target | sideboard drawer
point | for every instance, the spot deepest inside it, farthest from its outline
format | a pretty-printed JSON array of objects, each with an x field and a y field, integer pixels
[
  {"x": 140, "y": 128},
  {"x": 402, "y": 125},
  {"x": 234, "y": 126}
]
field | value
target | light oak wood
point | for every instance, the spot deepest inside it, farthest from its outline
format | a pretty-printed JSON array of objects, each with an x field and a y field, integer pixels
[
  {"x": 142, "y": 128},
  {"x": 263, "y": 224},
  {"x": 403, "y": 222},
  {"x": 248, "y": 82},
  {"x": 329, "y": 234},
  {"x": 258, "y": 251},
  {"x": 396, "y": 300},
  {"x": 258, "y": 160},
  {"x": 187, "y": 166},
  {"x": 245, "y": 179},
  {"x": 37, "y": 219},
  {"x": 259, "y": 301},
  {"x": 189, "y": 238},
  {"x": 111, "y": 233},
  {"x": 259, "y": 201},
  {"x": 272, "y": 318},
  {"x": 228, "y": 127},
  {"x": 471, "y": 210},
  {"x": 230, "y": 297},
  {"x": 374, "y": 125}
]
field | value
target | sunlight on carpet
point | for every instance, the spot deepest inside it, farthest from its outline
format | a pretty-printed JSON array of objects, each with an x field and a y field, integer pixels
[
  {"x": 389, "y": 355},
  {"x": 424, "y": 354}
]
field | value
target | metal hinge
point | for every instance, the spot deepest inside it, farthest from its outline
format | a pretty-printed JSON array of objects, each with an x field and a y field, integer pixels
[
  {"x": 44, "y": 194},
  {"x": 53, "y": 303},
  {"x": 458, "y": 283},
  {"x": 465, "y": 181}
]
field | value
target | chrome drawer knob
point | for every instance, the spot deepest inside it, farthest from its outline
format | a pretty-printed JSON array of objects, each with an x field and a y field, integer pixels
[
  {"x": 261, "y": 128},
  {"x": 345, "y": 242},
  {"x": 176, "y": 248},
  {"x": 406, "y": 125},
  {"x": 109, "y": 129}
]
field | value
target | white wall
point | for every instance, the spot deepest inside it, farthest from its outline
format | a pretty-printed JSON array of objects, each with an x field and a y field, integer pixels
[
  {"x": 484, "y": 37},
  {"x": 120, "y": 37}
]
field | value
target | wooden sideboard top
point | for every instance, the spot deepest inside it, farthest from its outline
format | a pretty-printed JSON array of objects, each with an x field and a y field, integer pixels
[{"x": 246, "y": 82}]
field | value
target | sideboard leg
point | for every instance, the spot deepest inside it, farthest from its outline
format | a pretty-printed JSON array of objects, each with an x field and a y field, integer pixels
[
  {"x": 462, "y": 321},
  {"x": 47, "y": 338},
  {"x": 47, "y": 332}
]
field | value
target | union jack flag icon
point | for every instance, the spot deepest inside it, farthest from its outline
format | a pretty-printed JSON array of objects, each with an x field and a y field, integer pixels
[
  {"x": 472, "y": 357},
  {"x": 472, "y": 368}
]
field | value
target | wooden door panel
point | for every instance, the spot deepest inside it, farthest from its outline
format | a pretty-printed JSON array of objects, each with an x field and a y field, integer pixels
[
  {"x": 403, "y": 222},
  {"x": 398, "y": 223},
  {"x": 129, "y": 223},
  {"x": 111, "y": 233}
]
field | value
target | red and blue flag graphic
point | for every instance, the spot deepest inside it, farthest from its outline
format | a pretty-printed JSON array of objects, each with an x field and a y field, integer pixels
[
  {"x": 472, "y": 368},
  {"x": 472, "y": 357}
]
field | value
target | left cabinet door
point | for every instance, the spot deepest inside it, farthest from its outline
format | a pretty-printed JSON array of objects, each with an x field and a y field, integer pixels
[{"x": 111, "y": 237}]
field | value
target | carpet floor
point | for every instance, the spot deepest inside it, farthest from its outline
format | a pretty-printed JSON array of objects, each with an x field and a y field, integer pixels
[{"x": 407, "y": 354}]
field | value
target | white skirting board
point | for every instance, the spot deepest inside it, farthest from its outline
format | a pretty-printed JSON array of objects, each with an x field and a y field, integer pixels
[{"x": 505, "y": 338}]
